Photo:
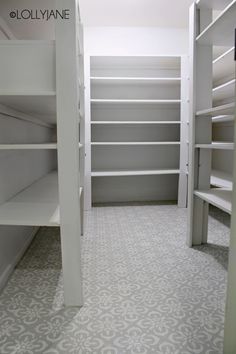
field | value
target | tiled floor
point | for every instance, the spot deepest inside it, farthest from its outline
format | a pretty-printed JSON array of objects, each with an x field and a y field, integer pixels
[{"x": 144, "y": 290}]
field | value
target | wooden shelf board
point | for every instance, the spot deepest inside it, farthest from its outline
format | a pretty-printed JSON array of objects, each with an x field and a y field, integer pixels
[
  {"x": 226, "y": 90},
  {"x": 221, "y": 179},
  {"x": 136, "y": 143},
  {"x": 45, "y": 146},
  {"x": 216, "y": 145},
  {"x": 110, "y": 122},
  {"x": 213, "y": 4},
  {"x": 222, "y": 119},
  {"x": 226, "y": 109},
  {"x": 224, "y": 65},
  {"x": 136, "y": 80},
  {"x": 36, "y": 205},
  {"x": 135, "y": 101},
  {"x": 219, "y": 197},
  {"x": 221, "y": 31},
  {"x": 134, "y": 173}
]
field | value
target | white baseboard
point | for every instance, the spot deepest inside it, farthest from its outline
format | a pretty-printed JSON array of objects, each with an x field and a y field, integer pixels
[{"x": 4, "y": 277}]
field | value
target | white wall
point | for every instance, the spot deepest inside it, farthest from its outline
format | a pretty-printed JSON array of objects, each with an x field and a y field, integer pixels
[{"x": 135, "y": 41}]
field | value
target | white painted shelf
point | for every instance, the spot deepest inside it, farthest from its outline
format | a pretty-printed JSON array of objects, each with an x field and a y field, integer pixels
[
  {"x": 36, "y": 205},
  {"x": 226, "y": 109},
  {"x": 49, "y": 146},
  {"x": 222, "y": 119},
  {"x": 224, "y": 65},
  {"x": 224, "y": 91},
  {"x": 135, "y": 80},
  {"x": 219, "y": 197},
  {"x": 213, "y": 4},
  {"x": 136, "y": 122},
  {"x": 135, "y": 101},
  {"x": 221, "y": 31},
  {"x": 216, "y": 145},
  {"x": 134, "y": 143},
  {"x": 134, "y": 173},
  {"x": 221, "y": 179}
]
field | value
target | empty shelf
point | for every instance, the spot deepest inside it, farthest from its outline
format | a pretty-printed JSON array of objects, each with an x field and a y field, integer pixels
[
  {"x": 216, "y": 145},
  {"x": 221, "y": 179},
  {"x": 219, "y": 197},
  {"x": 136, "y": 80},
  {"x": 221, "y": 31},
  {"x": 226, "y": 109},
  {"x": 224, "y": 65},
  {"x": 42, "y": 146},
  {"x": 224, "y": 91},
  {"x": 108, "y": 122},
  {"x": 134, "y": 101},
  {"x": 136, "y": 143},
  {"x": 36, "y": 205},
  {"x": 134, "y": 173},
  {"x": 222, "y": 119}
]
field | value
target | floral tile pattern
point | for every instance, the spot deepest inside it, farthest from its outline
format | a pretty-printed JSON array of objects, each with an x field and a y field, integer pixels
[{"x": 145, "y": 291}]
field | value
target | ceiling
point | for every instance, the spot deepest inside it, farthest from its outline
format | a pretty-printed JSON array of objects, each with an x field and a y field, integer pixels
[{"x": 127, "y": 13}]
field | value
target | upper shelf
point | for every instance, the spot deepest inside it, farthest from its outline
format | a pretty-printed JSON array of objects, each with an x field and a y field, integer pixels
[
  {"x": 135, "y": 80},
  {"x": 221, "y": 31},
  {"x": 36, "y": 205},
  {"x": 123, "y": 173},
  {"x": 219, "y": 197},
  {"x": 216, "y": 145},
  {"x": 213, "y": 4},
  {"x": 135, "y": 143}
]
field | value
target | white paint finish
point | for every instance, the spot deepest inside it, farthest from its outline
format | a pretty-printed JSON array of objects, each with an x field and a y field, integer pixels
[
  {"x": 230, "y": 316},
  {"x": 223, "y": 66},
  {"x": 133, "y": 101},
  {"x": 135, "y": 13},
  {"x": 127, "y": 41},
  {"x": 216, "y": 145},
  {"x": 115, "y": 122},
  {"x": 134, "y": 173},
  {"x": 27, "y": 66},
  {"x": 42, "y": 146},
  {"x": 132, "y": 143},
  {"x": 135, "y": 80},
  {"x": 226, "y": 109},
  {"x": 221, "y": 30},
  {"x": 221, "y": 179},
  {"x": 68, "y": 152},
  {"x": 219, "y": 197},
  {"x": 37, "y": 205},
  {"x": 224, "y": 91},
  {"x": 223, "y": 119},
  {"x": 213, "y": 4}
]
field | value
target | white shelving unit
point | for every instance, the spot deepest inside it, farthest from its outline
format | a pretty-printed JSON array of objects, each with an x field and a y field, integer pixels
[
  {"x": 136, "y": 129},
  {"x": 212, "y": 140},
  {"x": 39, "y": 84}
]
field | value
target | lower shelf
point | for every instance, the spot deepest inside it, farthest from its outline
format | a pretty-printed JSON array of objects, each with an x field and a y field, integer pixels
[
  {"x": 36, "y": 205},
  {"x": 134, "y": 173},
  {"x": 219, "y": 197},
  {"x": 221, "y": 179}
]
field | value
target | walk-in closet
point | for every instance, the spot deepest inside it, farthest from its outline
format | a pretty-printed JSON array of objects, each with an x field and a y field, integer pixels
[{"x": 117, "y": 171}]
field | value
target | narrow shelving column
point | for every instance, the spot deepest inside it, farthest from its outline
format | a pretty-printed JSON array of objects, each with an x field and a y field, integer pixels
[
  {"x": 67, "y": 50},
  {"x": 199, "y": 127}
]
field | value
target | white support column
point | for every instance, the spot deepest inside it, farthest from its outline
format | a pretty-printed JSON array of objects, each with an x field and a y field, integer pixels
[
  {"x": 88, "y": 181},
  {"x": 200, "y": 129},
  {"x": 230, "y": 317},
  {"x": 184, "y": 117},
  {"x": 68, "y": 151}
]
